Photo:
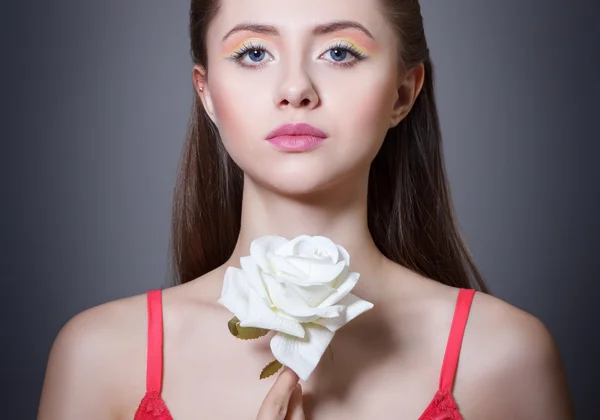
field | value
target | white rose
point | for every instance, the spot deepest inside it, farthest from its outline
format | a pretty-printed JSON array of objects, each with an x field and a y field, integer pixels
[{"x": 300, "y": 288}]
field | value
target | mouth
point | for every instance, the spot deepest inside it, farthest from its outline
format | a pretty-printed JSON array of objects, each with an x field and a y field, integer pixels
[{"x": 296, "y": 137}]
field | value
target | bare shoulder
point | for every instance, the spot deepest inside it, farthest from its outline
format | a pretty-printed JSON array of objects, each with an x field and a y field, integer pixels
[
  {"x": 87, "y": 357},
  {"x": 510, "y": 365},
  {"x": 97, "y": 364}
]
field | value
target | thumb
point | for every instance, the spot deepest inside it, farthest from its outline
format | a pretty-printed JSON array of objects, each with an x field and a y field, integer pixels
[{"x": 295, "y": 408}]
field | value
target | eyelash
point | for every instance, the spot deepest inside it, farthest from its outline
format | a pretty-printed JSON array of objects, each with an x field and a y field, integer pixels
[{"x": 258, "y": 47}]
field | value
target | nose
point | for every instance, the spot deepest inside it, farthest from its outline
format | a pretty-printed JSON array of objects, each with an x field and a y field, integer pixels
[{"x": 296, "y": 90}]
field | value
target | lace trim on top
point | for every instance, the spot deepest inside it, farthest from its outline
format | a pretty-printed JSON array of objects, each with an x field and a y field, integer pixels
[
  {"x": 152, "y": 407},
  {"x": 442, "y": 407}
]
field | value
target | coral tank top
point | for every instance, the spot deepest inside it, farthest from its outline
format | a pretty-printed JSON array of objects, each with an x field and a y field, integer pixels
[{"x": 441, "y": 407}]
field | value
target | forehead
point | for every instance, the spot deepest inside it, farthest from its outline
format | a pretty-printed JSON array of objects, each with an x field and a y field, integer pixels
[{"x": 298, "y": 17}]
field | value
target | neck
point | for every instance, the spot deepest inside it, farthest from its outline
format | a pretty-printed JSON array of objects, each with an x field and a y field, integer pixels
[{"x": 338, "y": 213}]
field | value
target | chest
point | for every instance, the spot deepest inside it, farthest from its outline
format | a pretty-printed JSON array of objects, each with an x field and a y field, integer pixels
[
  {"x": 335, "y": 391},
  {"x": 373, "y": 374}
]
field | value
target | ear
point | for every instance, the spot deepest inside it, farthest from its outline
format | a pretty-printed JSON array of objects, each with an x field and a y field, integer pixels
[
  {"x": 407, "y": 93},
  {"x": 201, "y": 87}
]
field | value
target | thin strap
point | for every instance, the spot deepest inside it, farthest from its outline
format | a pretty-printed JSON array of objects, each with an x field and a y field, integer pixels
[
  {"x": 459, "y": 321},
  {"x": 155, "y": 342}
]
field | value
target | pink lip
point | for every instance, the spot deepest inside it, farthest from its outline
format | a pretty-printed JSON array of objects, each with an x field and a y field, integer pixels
[{"x": 296, "y": 137}]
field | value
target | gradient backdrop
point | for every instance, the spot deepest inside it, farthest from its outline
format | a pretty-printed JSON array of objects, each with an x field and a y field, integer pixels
[{"x": 96, "y": 101}]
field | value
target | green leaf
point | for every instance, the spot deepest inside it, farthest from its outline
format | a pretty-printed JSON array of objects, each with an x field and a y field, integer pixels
[
  {"x": 245, "y": 333},
  {"x": 232, "y": 325},
  {"x": 270, "y": 369}
]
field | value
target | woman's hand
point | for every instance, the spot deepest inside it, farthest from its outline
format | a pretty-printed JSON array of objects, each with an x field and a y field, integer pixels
[{"x": 284, "y": 399}]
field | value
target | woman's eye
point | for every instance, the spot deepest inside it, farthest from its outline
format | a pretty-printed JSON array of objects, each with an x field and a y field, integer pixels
[
  {"x": 339, "y": 54},
  {"x": 250, "y": 55},
  {"x": 254, "y": 55}
]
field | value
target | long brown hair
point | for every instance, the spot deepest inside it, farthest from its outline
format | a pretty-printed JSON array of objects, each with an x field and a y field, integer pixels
[{"x": 410, "y": 211}]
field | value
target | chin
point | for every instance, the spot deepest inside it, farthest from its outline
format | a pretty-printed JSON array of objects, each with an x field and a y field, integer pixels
[{"x": 290, "y": 183}]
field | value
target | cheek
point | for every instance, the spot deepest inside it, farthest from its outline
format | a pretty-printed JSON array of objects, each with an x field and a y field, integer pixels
[
  {"x": 364, "y": 116},
  {"x": 373, "y": 101},
  {"x": 371, "y": 110},
  {"x": 230, "y": 112},
  {"x": 238, "y": 118}
]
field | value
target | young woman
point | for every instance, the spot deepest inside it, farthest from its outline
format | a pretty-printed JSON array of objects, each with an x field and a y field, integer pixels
[{"x": 358, "y": 76}]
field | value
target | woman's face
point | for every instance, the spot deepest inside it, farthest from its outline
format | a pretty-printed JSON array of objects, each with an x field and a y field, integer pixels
[{"x": 298, "y": 66}]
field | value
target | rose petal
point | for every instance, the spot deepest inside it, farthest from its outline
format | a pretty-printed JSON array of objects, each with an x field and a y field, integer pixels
[
  {"x": 282, "y": 295},
  {"x": 261, "y": 247},
  {"x": 251, "y": 270},
  {"x": 317, "y": 271},
  {"x": 291, "y": 247},
  {"x": 327, "y": 246},
  {"x": 284, "y": 277},
  {"x": 261, "y": 316},
  {"x": 283, "y": 265},
  {"x": 311, "y": 314},
  {"x": 344, "y": 254},
  {"x": 286, "y": 298},
  {"x": 234, "y": 295},
  {"x": 342, "y": 290},
  {"x": 314, "y": 294},
  {"x": 354, "y": 307},
  {"x": 342, "y": 276},
  {"x": 313, "y": 247},
  {"x": 302, "y": 355}
]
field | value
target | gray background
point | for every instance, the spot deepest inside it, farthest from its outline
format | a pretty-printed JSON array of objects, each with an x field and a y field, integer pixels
[{"x": 95, "y": 102}]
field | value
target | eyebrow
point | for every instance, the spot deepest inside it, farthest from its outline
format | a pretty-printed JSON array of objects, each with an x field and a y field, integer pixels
[{"x": 317, "y": 30}]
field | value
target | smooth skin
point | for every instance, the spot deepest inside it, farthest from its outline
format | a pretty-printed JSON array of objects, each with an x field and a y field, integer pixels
[{"x": 388, "y": 360}]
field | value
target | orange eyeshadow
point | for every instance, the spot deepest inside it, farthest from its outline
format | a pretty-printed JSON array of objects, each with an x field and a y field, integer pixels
[
  {"x": 359, "y": 40},
  {"x": 237, "y": 41}
]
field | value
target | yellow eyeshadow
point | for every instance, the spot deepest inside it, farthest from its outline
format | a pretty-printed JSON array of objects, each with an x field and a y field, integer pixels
[
  {"x": 353, "y": 44},
  {"x": 229, "y": 51}
]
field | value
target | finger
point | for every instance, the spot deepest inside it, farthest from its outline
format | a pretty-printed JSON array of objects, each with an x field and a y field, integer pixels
[
  {"x": 295, "y": 408},
  {"x": 275, "y": 404}
]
